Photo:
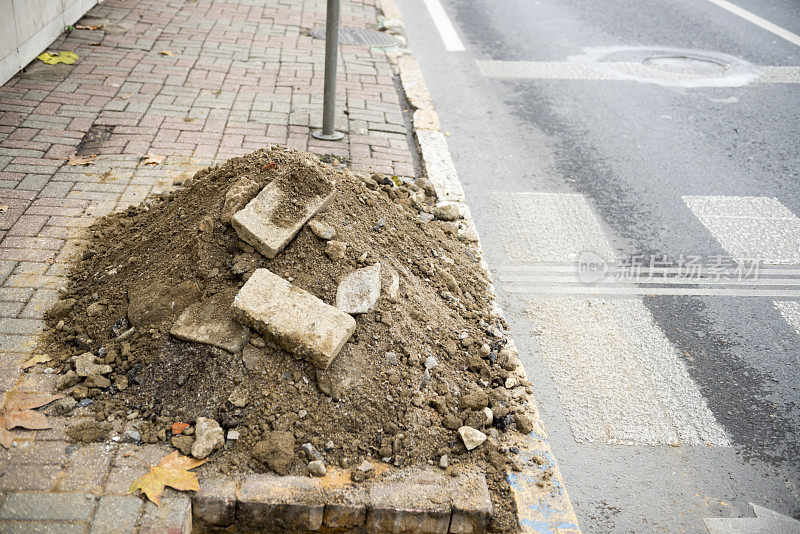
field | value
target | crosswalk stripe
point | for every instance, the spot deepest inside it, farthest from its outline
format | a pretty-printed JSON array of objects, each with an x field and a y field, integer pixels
[{"x": 619, "y": 378}]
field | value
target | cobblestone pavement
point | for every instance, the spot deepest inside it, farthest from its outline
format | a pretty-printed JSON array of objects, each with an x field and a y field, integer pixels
[{"x": 192, "y": 81}]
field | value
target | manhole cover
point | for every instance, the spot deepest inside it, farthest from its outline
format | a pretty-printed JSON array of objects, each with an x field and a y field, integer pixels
[
  {"x": 358, "y": 37},
  {"x": 675, "y": 67}
]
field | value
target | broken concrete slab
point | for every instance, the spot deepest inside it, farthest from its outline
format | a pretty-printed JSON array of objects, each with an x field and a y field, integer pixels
[
  {"x": 255, "y": 224},
  {"x": 212, "y": 323},
  {"x": 237, "y": 197},
  {"x": 360, "y": 290},
  {"x": 296, "y": 320}
]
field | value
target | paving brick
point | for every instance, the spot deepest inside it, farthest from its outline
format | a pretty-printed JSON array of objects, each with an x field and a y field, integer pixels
[
  {"x": 174, "y": 516},
  {"x": 48, "y": 506},
  {"x": 290, "y": 503},
  {"x": 116, "y": 514},
  {"x": 215, "y": 503},
  {"x": 86, "y": 468},
  {"x": 297, "y": 320}
]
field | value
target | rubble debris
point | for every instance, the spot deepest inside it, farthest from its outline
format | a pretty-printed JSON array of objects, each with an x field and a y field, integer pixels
[
  {"x": 446, "y": 211},
  {"x": 268, "y": 224},
  {"x": 208, "y": 438},
  {"x": 297, "y": 320},
  {"x": 360, "y": 290},
  {"x": 211, "y": 322},
  {"x": 85, "y": 365},
  {"x": 240, "y": 193},
  {"x": 317, "y": 468},
  {"x": 322, "y": 229},
  {"x": 471, "y": 437},
  {"x": 336, "y": 250},
  {"x": 276, "y": 450}
]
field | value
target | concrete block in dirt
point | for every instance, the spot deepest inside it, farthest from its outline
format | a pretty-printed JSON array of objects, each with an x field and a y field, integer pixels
[
  {"x": 215, "y": 503},
  {"x": 212, "y": 323},
  {"x": 237, "y": 197},
  {"x": 412, "y": 501},
  {"x": 257, "y": 223},
  {"x": 289, "y": 504},
  {"x": 296, "y": 320},
  {"x": 360, "y": 290}
]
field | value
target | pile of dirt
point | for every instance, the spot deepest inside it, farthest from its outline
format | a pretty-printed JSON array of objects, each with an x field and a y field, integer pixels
[{"x": 429, "y": 359}]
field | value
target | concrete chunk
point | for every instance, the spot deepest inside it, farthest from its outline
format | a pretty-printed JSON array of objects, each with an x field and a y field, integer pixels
[
  {"x": 297, "y": 320},
  {"x": 211, "y": 322},
  {"x": 360, "y": 290},
  {"x": 281, "y": 504},
  {"x": 255, "y": 224}
]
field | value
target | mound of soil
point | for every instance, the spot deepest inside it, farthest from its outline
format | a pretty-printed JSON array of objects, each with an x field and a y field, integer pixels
[{"x": 428, "y": 360}]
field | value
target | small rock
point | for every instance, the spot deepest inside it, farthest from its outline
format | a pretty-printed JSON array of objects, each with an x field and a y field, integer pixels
[
  {"x": 61, "y": 309},
  {"x": 471, "y": 437},
  {"x": 335, "y": 250},
  {"x": 84, "y": 402},
  {"x": 121, "y": 383},
  {"x": 233, "y": 435},
  {"x": 475, "y": 400},
  {"x": 67, "y": 380},
  {"x": 317, "y": 468},
  {"x": 322, "y": 230},
  {"x": 183, "y": 444},
  {"x": 96, "y": 309},
  {"x": 311, "y": 453},
  {"x": 85, "y": 366},
  {"x": 524, "y": 424},
  {"x": 360, "y": 290},
  {"x": 391, "y": 358},
  {"x": 276, "y": 451},
  {"x": 393, "y": 285},
  {"x": 96, "y": 380},
  {"x": 329, "y": 445},
  {"x": 238, "y": 397},
  {"x": 65, "y": 405},
  {"x": 431, "y": 363},
  {"x": 447, "y": 211},
  {"x": 131, "y": 436},
  {"x": 209, "y": 437},
  {"x": 258, "y": 342},
  {"x": 444, "y": 462},
  {"x": 237, "y": 197},
  {"x": 511, "y": 382},
  {"x": 364, "y": 467}
]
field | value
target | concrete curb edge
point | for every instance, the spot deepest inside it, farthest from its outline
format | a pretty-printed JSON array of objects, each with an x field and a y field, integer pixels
[{"x": 541, "y": 508}]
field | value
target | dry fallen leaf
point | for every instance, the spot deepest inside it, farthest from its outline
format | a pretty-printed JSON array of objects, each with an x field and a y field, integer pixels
[
  {"x": 172, "y": 471},
  {"x": 3, "y": 208},
  {"x": 151, "y": 159},
  {"x": 167, "y": 53},
  {"x": 82, "y": 27},
  {"x": 81, "y": 160},
  {"x": 126, "y": 96},
  {"x": 39, "y": 358},
  {"x": 19, "y": 406},
  {"x": 177, "y": 428}
]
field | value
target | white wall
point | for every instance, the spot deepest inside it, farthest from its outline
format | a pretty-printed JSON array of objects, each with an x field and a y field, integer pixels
[{"x": 28, "y": 27}]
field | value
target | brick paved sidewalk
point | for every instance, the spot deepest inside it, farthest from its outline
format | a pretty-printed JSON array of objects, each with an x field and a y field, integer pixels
[{"x": 195, "y": 82}]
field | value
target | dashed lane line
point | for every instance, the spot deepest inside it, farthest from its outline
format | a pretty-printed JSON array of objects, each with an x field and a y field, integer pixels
[
  {"x": 452, "y": 42},
  {"x": 758, "y": 21}
]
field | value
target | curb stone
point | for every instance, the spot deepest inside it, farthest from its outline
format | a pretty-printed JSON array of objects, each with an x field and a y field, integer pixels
[
  {"x": 407, "y": 500},
  {"x": 540, "y": 509}
]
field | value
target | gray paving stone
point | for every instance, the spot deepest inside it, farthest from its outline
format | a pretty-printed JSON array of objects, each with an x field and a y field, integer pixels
[
  {"x": 48, "y": 506},
  {"x": 116, "y": 514}
]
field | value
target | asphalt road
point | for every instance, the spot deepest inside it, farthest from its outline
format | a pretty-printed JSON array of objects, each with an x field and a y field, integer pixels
[{"x": 639, "y": 131}]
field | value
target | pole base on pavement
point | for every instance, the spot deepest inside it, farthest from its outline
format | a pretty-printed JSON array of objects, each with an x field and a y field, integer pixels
[{"x": 335, "y": 136}]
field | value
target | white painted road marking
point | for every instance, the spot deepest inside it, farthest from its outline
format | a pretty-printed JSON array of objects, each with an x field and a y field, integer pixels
[
  {"x": 758, "y": 21},
  {"x": 750, "y": 228},
  {"x": 452, "y": 42},
  {"x": 619, "y": 378},
  {"x": 790, "y": 309},
  {"x": 567, "y": 70},
  {"x": 548, "y": 227}
]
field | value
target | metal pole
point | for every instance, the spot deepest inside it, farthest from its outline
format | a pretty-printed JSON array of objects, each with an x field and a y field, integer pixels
[{"x": 331, "y": 51}]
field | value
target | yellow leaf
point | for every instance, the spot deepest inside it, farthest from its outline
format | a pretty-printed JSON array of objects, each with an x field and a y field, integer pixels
[
  {"x": 6, "y": 436},
  {"x": 152, "y": 159},
  {"x": 26, "y": 419},
  {"x": 81, "y": 160},
  {"x": 167, "y": 53},
  {"x": 92, "y": 28},
  {"x": 17, "y": 401},
  {"x": 172, "y": 471},
  {"x": 51, "y": 58},
  {"x": 39, "y": 358}
]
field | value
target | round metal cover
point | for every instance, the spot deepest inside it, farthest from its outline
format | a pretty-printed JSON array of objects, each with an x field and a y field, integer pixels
[{"x": 358, "y": 37}]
